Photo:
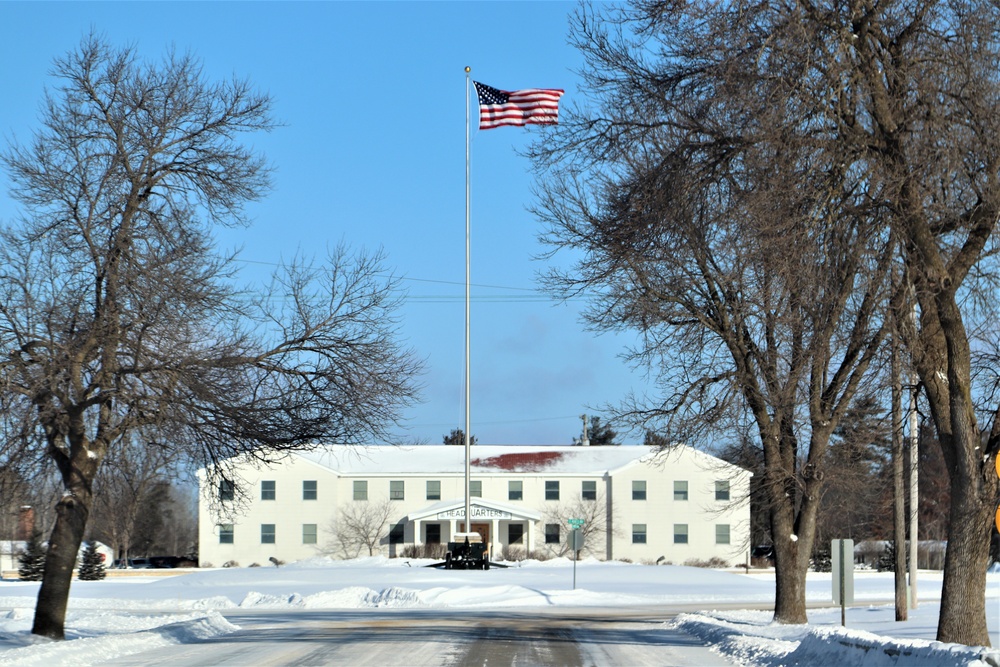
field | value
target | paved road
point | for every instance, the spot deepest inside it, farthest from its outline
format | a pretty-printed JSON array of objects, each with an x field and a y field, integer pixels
[{"x": 461, "y": 638}]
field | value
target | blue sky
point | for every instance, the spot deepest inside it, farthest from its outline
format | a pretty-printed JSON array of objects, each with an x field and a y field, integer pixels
[{"x": 372, "y": 96}]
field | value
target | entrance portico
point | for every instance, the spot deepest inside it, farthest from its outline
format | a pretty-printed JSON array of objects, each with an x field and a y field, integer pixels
[{"x": 494, "y": 517}]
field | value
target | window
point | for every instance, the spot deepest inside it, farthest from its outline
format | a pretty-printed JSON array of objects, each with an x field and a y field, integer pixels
[
  {"x": 396, "y": 534},
  {"x": 515, "y": 490},
  {"x": 267, "y": 533},
  {"x": 680, "y": 490},
  {"x": 308, "y": 533},
  {"x": 552, "y": 490},
  {"x": 227, "y": 490},
  {"x": 515, "y": 533},
  {"x": 267, "y": 490},
  {"x": 361, "y": 489},
  {"x": 396, "y": 489},
  {"x": 680, "y": 533},
  {"x": 476, "y": 489},
  {"x": 309, "y": 489},
  {"x": 589, "y": 491},
  {"x": 638, "y": 489},
  {"x": 722, "y": 533},
  {"x": 722, "y": 490},
  {"x": 552, "y": 533},
  {"x": 433, "y": 533},
  {"x": 638, "y": 533},
  {"x": 226, "y": 533},
  {"x": 433, "y": 490}
]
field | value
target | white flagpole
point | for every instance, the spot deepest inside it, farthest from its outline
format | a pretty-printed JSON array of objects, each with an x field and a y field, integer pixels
[{"x": 468, "y": 283}]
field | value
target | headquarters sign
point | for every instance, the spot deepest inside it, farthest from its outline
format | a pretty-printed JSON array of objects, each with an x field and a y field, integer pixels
[{"x": 477, "y": 511}]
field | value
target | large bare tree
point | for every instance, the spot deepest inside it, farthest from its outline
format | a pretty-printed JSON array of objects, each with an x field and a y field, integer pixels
[
  {"x": 118, "y": 314},
  {"x": 673, "y": 180},
  {"x": 800, "y": 144}
]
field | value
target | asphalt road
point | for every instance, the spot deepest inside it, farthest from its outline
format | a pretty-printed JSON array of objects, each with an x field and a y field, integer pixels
[{"x": 456, "y": 637}]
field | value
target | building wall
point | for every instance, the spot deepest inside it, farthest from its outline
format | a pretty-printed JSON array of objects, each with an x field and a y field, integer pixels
[{"x": 659, "y": 512}]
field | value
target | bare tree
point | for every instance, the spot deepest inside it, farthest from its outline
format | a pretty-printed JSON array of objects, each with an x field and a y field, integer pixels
[
  {"x": 598, "y": 525},
  {"x": 118, "y": 315},
  {"x": 360, "y": 525},
  {"x": 674, "y": 184},
  {"x": 129, "y": 477}
]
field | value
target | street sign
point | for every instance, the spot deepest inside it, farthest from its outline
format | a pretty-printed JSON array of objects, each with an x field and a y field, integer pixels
[
  {"x": 576, "y": 540},
  {"x": 842, "y": 562},
  {"x": 576, "y": 524}
]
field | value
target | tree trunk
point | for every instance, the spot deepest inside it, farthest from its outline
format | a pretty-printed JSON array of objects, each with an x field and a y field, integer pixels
[
  {"x": 962, "y": 617},
  {"x": 64, "y": 544}
]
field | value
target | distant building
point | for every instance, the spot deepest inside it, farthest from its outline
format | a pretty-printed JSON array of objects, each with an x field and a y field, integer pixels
[{"x": 674, "y": 507}]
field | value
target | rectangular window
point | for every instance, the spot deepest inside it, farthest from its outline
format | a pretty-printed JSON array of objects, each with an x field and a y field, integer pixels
[
  {"x": 396, "y": 489},
  {"x": 433, "y": 490},
  {"x": 267, "y": 490},
  {"x": 396, "y": 534},
  {"x": 361, "y": 489},
  {"x": 552, "y": 533},
  {"x": 722, "y": 490},
  {"x": 638, "y": 489},
  {"x": 638, "y": 533},
  {"x": 515, "y": 533},
  {"x": 722, "y": 533},
  {"x": 552, "y": 490},
  {"x": 267, "y": 533},
  {"x": 308, "y": 533},
  {"x": 476, "y": 488},
  {"x": 680, "y": 533},
  {"x": 309, "y": 489},
  {"x": 589, "y": 491},
  {"x": 515, "y": 490},
  {"x": 226, "y": 533},
  {"x": 680, "y": 490},
  {"x": 433, "y": 533},
  {"x": 227, "y": 490}
]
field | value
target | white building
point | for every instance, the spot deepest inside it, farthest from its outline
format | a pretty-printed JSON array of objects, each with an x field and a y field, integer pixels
[{"x": 673, "y": 507}]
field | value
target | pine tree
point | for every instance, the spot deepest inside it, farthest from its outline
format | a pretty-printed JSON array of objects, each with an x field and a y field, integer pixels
[
  {"x": 91, "y": 564},
  {"x": 31, "y": 561}
]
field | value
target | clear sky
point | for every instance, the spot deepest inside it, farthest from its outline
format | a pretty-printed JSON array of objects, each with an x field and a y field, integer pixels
[{"x": 372, "y": 95}]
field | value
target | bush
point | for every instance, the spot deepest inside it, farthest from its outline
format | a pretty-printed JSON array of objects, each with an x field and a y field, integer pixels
[
  {"x": 435, "y": 551},
  {"x": 714, "y": 563},
  {"x": 91, "y": 564},
  {"x": 230, "y": 563},
  {"x": 513, "y": 553}
]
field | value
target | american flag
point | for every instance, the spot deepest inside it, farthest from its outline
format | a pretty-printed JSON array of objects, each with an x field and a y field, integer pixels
[{"x": 517, "y": 107}]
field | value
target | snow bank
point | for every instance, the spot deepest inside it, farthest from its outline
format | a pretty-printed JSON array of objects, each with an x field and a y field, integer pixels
[
  {"x": 745, "y": 639},
  {"x": 122, "y": 641}
]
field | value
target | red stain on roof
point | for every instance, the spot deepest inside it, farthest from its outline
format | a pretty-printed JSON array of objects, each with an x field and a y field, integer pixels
[{"x": 525, "y": 462}]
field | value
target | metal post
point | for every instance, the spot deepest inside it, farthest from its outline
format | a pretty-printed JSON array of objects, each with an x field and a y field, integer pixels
[{"x": 468, "y": 285}]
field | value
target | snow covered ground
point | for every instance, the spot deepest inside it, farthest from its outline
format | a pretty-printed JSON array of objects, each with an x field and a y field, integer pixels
[{"x": 126, "y": 615}]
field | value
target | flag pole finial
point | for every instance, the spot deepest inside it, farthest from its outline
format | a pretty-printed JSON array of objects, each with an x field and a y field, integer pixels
[{"x": 467, "y": 69}]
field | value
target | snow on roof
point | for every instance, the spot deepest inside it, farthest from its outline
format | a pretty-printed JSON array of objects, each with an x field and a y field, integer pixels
[{"x": 485, "y": 459}]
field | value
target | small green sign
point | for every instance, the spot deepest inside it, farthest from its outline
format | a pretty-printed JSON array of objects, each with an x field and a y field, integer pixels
[{"x": 576, "y": 523}]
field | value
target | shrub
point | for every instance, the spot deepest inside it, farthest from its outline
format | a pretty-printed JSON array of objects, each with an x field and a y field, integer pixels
[
  {"x": 714, "y": 562},
  {"x": 230, "y": 563},
  {"x": 513, "y": 553},
  {"x": 435, "y": 551}
]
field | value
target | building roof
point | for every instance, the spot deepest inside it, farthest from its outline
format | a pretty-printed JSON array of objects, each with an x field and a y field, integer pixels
[{"x": 485, "y": 459}]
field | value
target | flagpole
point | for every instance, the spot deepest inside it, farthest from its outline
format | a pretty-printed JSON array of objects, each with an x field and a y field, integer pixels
[{"x": 468, "y": 284}]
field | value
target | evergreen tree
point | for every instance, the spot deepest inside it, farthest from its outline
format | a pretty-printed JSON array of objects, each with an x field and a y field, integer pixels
[
  {"x": 91, "y": 564},
  {"x": 31, "y": 561},
  {"x": 457, "y": 437}
]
